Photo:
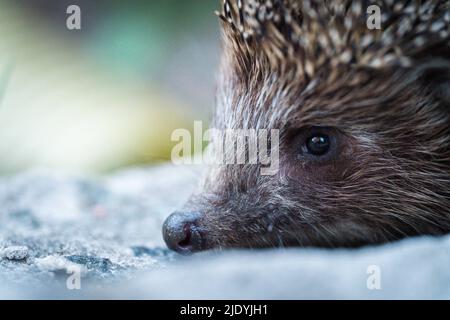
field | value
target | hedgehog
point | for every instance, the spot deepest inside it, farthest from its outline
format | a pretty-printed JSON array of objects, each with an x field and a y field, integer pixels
[{"x": 364, "y": 121}]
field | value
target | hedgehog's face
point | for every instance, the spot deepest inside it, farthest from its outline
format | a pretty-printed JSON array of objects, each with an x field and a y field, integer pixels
[
  {"x": 297, "y": 206},
  {"x": 354, "y": 173},
  {"x": 363, "y": 152}
]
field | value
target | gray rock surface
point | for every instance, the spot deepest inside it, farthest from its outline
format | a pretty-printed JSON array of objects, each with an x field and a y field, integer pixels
[
  {"x": 108, "y": 230},
  {"x": 111, "y": 226}
]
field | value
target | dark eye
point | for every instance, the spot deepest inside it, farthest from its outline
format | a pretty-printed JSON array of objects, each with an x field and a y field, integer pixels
[{"x": 318, "y": 144}]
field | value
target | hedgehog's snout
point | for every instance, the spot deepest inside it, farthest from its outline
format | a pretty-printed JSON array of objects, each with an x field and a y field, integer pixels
[{"x": 182, "y": 233}]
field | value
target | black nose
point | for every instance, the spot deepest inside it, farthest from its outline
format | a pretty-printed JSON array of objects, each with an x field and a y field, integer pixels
[{"x": 182, "y": 234}]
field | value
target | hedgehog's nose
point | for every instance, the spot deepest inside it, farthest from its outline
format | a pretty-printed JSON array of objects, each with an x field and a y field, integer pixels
[{"x": 181, "y": 232}]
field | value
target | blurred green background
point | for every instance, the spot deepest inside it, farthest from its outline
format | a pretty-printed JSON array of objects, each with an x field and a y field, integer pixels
[{"x": 106, "y": 96}]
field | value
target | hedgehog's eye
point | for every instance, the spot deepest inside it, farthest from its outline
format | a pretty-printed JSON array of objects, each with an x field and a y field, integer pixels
[
  {"x": 318, "y": 144},
  {"x": 315, "y": 152}
]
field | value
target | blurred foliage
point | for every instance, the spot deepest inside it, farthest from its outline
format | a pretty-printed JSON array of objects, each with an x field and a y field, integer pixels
[
  {"x": 108, "y": 95},
  {"x": 148, "y": 31}
]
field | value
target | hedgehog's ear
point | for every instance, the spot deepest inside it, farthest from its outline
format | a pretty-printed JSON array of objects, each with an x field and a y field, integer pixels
[{"x": 435, "y": 76}]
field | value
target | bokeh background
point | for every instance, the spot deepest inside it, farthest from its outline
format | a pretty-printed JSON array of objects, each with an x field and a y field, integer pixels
[{"x": 106, "y": 96}]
